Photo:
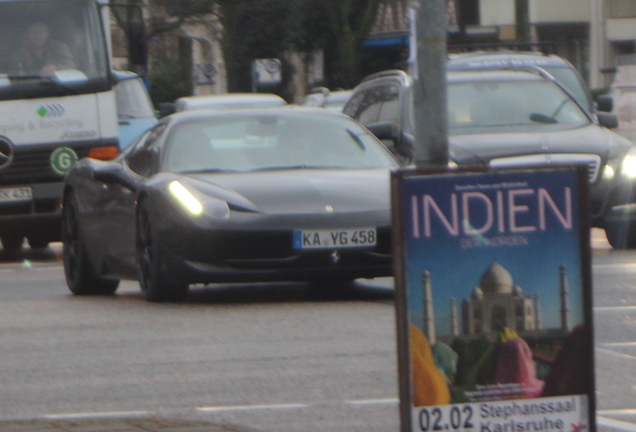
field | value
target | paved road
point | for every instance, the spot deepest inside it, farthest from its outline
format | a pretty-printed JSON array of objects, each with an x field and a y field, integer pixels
[{"x": 261, "y": 357}]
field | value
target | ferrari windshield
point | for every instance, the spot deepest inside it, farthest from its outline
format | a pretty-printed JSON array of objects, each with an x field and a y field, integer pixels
[
  {"x": 490, "y": 106},
  {"x": 260, "y": 141}
]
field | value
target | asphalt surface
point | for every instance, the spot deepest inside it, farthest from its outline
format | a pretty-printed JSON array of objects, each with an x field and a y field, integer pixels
[{"x": 152, "y": 423}]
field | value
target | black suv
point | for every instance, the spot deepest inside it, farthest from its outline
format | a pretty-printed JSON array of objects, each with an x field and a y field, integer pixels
[{"x": 514, "y": 117}]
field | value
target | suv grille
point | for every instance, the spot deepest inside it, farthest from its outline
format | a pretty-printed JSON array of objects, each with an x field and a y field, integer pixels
[
  {"x": 592, "y": 161},
  {"x": 32, "y": 165}
]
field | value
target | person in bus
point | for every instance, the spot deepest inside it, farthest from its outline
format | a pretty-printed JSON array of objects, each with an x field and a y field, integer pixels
[{"x": 40, "y": 54}]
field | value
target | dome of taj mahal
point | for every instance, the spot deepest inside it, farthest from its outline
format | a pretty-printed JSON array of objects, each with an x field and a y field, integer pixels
[
  {"x": 496, "y": 279},
  {"x": 477, "y": 294}
]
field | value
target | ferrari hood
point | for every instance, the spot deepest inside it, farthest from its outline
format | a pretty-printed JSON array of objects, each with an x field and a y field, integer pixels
[
  {"x": 482, "y": 148},
  {"x": 299, "y": 190}
]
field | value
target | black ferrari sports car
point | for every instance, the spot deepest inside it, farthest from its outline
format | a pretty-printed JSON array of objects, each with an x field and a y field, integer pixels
[{"x": 283, "y": 194}]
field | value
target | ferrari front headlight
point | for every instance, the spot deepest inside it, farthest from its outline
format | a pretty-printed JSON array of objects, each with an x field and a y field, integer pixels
[
  {"x": 185, "y": 198},
  {"x": 628, "y": 166}
]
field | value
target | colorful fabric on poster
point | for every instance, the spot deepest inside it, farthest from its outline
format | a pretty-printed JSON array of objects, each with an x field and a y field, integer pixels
[{"x": 429, "y": 383}]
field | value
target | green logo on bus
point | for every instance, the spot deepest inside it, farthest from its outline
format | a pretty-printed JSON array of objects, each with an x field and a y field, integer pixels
[{"x": 63, "y": 159}]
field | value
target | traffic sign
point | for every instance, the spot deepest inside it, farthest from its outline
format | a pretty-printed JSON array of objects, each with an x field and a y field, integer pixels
[{"x": 267, "y": 71}]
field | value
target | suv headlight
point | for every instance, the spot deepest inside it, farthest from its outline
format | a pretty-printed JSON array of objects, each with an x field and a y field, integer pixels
[{"x": 608, "y": 172}]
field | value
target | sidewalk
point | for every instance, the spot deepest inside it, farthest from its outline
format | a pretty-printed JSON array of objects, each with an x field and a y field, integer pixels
[{"x": 137, "y": 424}]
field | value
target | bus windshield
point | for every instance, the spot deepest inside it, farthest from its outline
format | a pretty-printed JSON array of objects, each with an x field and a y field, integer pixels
[{"x": 50, "y": 41}]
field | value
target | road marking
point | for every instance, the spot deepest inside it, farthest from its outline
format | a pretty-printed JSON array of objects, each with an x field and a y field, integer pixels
[
  {"x": 617, "y": 344},
  {"x": 614, "y": 265},
  {"x": 37, "y": 269},
  {"x": 111, "y": 414},
  {"x": 615, "y": 354},
  {"x": 617, "y": 424},
  {"x": 250, "y": 407},
  {"x": 617, "y": 411},
  {"x": 372, "y": 401},
  {"x": 613, "y": 308}
]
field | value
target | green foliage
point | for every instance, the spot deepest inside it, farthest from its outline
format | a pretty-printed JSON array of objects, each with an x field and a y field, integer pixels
[
  {"x": 167, "y": 81},
  {"x": 350, "y": 23},
  {"x": 268, "y": 28},
  {"x": 254, "y": 29}
]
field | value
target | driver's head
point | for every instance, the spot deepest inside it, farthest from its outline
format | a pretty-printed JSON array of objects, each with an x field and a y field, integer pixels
[{"x": 37, "y": 34}]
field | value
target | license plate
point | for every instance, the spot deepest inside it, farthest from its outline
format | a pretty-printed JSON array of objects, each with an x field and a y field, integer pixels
[
  {"x": 340, "y": 238},
  {"x": 16, "y": 194}
]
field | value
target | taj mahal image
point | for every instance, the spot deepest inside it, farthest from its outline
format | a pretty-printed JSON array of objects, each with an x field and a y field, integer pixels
[{"x": 494, "y": 304}]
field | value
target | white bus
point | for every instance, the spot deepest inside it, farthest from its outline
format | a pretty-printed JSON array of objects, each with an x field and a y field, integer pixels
[{"x": 56, "y": 106}]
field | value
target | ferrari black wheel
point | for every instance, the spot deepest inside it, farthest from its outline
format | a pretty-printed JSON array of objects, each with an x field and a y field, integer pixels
[
  {"x": 156, "y": 285},
  {"x": 80, "y": 276},
  {"x": 12, "y": 243},
  {"x": 621, "y": 235}
]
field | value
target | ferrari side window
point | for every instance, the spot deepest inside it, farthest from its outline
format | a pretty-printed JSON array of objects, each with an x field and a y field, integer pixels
[
  {"x": 154, "y": 135},
  {"x": 136, "y": 143},
  {"x": 144, "y": 159}
]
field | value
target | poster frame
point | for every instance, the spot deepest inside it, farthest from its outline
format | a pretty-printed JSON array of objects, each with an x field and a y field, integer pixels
[{"x": 400, "y": 260}]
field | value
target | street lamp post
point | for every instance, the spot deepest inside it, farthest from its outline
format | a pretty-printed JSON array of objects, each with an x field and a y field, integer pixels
[{"x": 429, "y": 90}]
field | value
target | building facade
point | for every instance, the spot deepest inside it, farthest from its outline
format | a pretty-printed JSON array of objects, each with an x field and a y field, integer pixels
[
  {"x": 196, "y": 42},
  {"x": 496, "y": 303},
  {"x": 594, "y": 35}
]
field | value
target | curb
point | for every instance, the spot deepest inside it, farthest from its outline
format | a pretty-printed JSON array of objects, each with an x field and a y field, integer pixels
[{"x": 137, "y": 424}]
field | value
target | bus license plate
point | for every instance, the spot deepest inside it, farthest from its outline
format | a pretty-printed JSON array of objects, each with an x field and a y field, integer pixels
[
  {"x": 16, "y": 194},
  {"x": 339, "y": 238}
]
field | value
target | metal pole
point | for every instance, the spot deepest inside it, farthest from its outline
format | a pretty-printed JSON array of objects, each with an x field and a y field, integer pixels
[
  {"x": 429, "y": 89},
  {"x": 522, "y": 22},
  {"x": 597, "y": 44}
]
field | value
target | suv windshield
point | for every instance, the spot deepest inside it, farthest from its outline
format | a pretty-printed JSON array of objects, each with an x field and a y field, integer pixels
[
  {"x": 571, "y": 79},
  {"x": 50, "y": 42},
  {"x": 514, "y": 104}
]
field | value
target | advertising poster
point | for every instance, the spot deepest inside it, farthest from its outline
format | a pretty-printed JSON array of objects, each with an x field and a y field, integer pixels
[{"x": 493, "y": 300}]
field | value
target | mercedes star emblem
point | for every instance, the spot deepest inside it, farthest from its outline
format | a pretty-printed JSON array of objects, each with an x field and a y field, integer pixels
[{"x": 6, "y": 152}]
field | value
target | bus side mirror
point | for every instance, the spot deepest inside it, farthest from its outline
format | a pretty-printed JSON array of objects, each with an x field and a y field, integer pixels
[{"x": 137, "y": 43}]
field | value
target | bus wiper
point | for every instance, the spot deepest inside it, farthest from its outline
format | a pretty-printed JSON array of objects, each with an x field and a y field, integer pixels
[
  {"x": 26, "y": 77},
  {"x": 42, "y": 80}
]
